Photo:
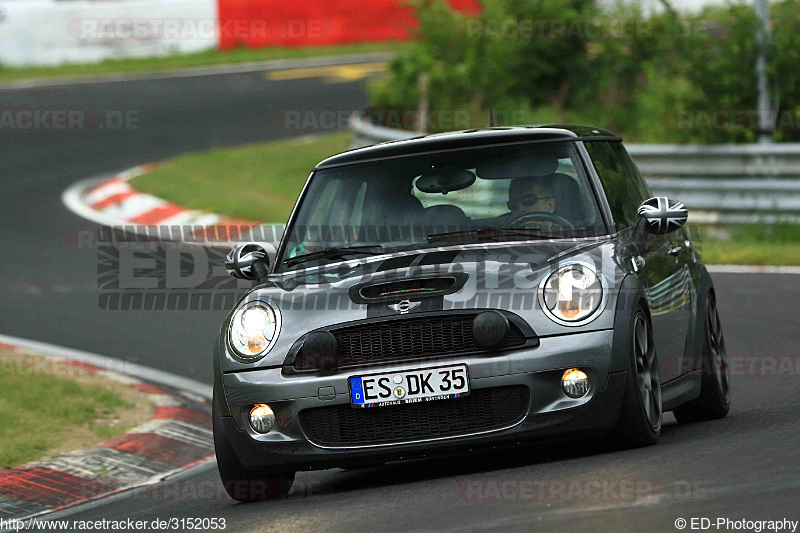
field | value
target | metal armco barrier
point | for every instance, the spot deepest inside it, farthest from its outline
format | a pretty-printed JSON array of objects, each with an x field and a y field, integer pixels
[{"x": 720, "y": 184}]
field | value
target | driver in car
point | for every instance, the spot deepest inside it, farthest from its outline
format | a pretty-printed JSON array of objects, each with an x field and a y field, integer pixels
[{"x": 532, "y": 194}]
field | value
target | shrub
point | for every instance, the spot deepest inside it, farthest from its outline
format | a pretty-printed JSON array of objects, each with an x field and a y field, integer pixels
[{"x": 677, "y": 79}]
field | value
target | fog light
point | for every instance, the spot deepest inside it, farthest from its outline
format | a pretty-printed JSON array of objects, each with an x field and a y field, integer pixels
[
  {"x": 575, "y": 383},
  {"x": 262, "y": 419}
]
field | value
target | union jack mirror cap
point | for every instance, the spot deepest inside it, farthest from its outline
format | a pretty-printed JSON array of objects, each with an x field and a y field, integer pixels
[
  {"x": 239, "y": 261},
  {"x": 663, "y": 215}
]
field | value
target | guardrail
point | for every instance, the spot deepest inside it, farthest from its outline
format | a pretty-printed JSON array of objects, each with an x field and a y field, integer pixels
[{"x": 720, "y": 184}]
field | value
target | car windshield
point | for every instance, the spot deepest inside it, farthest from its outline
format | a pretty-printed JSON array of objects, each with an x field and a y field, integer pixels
[{"x": 491, "y": 194}]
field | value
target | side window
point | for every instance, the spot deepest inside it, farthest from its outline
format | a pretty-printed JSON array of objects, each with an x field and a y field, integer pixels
[
  {"x": 332, "y": 208},
  {"x": 631, "y": 170},
  {"x": 625, "y": 191}
]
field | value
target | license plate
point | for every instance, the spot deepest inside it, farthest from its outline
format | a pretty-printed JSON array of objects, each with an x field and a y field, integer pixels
[{"x": 412, "y": 386}]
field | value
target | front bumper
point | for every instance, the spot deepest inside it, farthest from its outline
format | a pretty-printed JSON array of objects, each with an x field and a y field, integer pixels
[{"x": 550, "y": 413}]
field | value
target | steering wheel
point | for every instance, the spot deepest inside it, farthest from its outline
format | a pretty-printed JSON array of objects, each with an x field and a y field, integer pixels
[{"x": 534, "y": 217}]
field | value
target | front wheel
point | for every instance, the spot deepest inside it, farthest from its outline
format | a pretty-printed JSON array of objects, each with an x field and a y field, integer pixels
[
  {"x": 241, "y": 484},
  {"x": 714, "y": 401},
  {"x": 640, "y": 416}
]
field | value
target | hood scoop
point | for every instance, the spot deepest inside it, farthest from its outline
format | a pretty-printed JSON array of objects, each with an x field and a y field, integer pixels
[{"x": 393, "y": 290}]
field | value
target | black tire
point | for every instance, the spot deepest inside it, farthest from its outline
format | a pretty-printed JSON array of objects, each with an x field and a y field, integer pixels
[
  {"x": 714, "y": 400},
  {"x": 640, "y": 417},
  {"x": 241, "y": 484}
]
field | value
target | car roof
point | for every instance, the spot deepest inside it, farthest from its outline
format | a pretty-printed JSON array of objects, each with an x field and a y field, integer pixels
[{"x": 468, "y": 138}]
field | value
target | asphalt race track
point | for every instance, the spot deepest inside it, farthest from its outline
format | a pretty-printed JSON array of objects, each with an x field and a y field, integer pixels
[
  {"x": 742, "y": 467},
  {"x": 49, "y": 287}
]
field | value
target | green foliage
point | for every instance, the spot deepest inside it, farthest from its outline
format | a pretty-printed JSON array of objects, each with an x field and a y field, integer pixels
[
  {"x": 666, "y": 78},
  {"x": 785, "y": 76},
  {"x": 490, "y": 60}
]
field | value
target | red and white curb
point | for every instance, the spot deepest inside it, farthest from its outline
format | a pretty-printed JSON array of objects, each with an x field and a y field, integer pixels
[
  {"x": 112, "y": 201},
  {"x": 178, "y": 437}
]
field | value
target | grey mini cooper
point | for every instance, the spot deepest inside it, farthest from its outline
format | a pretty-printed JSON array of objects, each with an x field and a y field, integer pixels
[{"x": 438, "y": 294}]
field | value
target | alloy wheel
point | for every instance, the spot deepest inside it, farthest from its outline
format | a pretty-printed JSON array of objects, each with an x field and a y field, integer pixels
[
  {"x": 716, "y": 343},
  {"x": 648, "y": 373}
]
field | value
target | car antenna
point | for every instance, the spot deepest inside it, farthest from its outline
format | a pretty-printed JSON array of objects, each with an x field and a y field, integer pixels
[{"x": 491, "y": 117}]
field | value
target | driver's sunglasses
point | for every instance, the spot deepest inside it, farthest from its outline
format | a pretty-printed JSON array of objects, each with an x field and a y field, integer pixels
[{"x": 527, "y": 201}]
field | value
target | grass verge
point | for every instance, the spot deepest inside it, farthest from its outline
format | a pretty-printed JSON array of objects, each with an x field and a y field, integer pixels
[
  {"x": 49, "y": 407},
  {"x": 749, "y": 244},
  {"x": 200, "y": 59},
  {"x": 749, "y": 253},
  {"x": 257, "y": 182},
  {"x": 261, "y": 182}
]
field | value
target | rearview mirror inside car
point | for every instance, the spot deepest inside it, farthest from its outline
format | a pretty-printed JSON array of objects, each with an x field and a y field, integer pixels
[{"x": 445, "y": 181}]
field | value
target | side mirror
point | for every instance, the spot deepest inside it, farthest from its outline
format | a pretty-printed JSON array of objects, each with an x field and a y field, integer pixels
[
  {"x": 247, "y": 261},
  {"x": 663, "y": 215}
]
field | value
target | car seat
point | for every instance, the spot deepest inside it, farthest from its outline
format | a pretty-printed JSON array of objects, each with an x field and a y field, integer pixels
[
  {"x": 569, "y": 200},
  {"x": 444, "y": 218}
]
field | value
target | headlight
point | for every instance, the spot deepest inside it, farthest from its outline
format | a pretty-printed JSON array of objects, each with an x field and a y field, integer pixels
[
  {"x": 253, "y": 328},
  {"x": 571, "y": 293}
]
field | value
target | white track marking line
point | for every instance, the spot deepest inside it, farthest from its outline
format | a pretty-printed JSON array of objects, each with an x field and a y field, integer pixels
[
  {"x": 116, "y": 365},
  {"x": 107, "y": 190}
]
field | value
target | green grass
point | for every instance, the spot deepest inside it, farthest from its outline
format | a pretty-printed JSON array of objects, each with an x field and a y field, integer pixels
[
  {"x": 749, "y": 244},
  {"x": 200, "y": 59},
  {"x": 784, "y": 233},
  {"x": 258, "y": 182},
  {"x": 39, "y": 410},
  {"x": 749, "y": 253}
]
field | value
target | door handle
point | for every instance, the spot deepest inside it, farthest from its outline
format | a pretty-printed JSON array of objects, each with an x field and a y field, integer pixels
[{"x": 675, "y": 250}]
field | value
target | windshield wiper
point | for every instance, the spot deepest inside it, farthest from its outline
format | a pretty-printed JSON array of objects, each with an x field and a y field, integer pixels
[
  {"x": 335, "y": 252},
  {"x": 495, "y": 233}
]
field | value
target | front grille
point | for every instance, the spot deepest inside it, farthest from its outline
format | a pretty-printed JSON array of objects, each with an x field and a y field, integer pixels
[
  {"x": 409, "y": 338},
  {"x": 482, "y": 410}
]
